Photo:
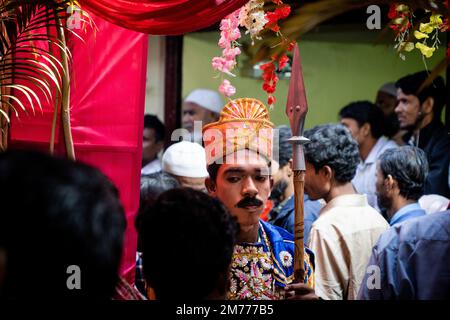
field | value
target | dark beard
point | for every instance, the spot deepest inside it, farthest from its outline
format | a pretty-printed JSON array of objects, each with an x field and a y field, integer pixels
[
  {"x": 384, "y": 204},
  {"x": 277, "y": 194},
  {"x": 416, "y": 124}
]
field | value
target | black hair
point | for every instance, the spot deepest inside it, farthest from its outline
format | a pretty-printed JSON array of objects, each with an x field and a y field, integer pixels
[
  {"x": 152, "y": 185},
  {"x": 365, "y": 112},
  {"x": 408, "y": 165},
  {"x": 391, "y": 125},
  {"x": 188, "y": 239},
  {"x": 333, "y": 145},
  {"x": 411, "y": 84},
  {"x": 55, "y": 214},
  {"x": 213, "y": 170},
  {"x": 284, "y": 146},
  {"x": 152, "y": 122}
]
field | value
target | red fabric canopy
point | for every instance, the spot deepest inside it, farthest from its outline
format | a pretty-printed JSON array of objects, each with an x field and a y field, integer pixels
[
  {"x": 163, "y": 17},
  {"x": 107, "y": 109}
]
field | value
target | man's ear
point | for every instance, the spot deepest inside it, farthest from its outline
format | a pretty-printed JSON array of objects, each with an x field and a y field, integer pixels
[
  {"x": 365, "y": 129},
  {"x": 427, "y": 106},
  {"x": 390, "y": 182},
  {"x": 210, "y": 186},
  {"x": 327, "y": 172}
]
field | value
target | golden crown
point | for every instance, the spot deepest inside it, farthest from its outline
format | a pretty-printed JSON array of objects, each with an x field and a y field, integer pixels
[{"x": 244, "y": 123}]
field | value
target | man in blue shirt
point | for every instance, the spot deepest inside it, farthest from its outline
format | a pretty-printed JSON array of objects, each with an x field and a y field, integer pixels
[
  {"x": 411, "y": 261},
  {"x": 401, "y": 175}
]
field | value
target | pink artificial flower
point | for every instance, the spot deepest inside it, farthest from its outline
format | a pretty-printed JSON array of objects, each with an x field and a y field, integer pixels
[
  {"x": 223, "y": 42},
  {"x": 223, "y": 65},
  {"x": 232, "y": 34},
  {"x": 218, "y": 63},
  {"x": 228, "y": 65},
  {"x": 225, "y": 24},
  {"x": 227, "y": 89},
  {"x": 231, "y": 53}
]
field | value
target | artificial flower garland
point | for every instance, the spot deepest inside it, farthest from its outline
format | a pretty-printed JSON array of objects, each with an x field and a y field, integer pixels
[
  {"x": 402, "y": 23},
  {"x": 253, "y": 18}
]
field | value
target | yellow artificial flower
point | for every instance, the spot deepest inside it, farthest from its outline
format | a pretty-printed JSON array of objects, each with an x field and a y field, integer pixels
[
  {"x": 426, "y": 51},
  {"x": 407, "y": 46},
  {"x": 436, "y": 20},
  {"x": 426, "y": 27},
  {"x": 402, "y": 8},
  {"x": 420, "y": 35}
]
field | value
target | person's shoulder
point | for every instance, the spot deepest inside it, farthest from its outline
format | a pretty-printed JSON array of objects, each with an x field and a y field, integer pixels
[
  {"x": 432, "y": 227},
  {"x": 374, "y": 214},
  {"x": 441, "y": 138},
  {"x": 338, "y": 222},
  {"x": 388, "y": 144},
  {"x": 277, "y": 233},
  {"x": 312, "y": 205}
]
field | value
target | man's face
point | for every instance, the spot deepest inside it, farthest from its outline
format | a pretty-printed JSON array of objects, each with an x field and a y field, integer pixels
[
  {"x": 194, "y": 183},
  {"x": 281, "y": 179},
  {"x": 193, "y": 112},
  {"x": 150, "y": 147},
  {"x": 386, "y": 102},
  {"x": 354, "y": 128},
  {"x": 244, "y": 187},
  {"x": 317, "y": 184},
  {"x": 407, "y": 110},
  {"x": 383, "y": 198}
]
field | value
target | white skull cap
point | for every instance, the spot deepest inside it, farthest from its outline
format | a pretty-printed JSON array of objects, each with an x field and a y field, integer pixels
[
  {"x": 207, "y": 99},
  {"x": 185, "y": 159}
]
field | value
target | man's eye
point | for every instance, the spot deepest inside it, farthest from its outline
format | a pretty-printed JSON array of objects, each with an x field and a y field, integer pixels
[
  {"x": 233, "y": 179},
  {"x": 261, "y": 178}
]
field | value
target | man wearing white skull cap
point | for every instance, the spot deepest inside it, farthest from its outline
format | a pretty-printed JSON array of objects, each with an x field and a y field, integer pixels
[
  {"x": 201, "y": 105},
  {"x": 186, "y": 161}
]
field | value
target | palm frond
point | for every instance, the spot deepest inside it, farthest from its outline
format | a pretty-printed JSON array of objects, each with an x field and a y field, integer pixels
[{"x": 29, "y": 66}]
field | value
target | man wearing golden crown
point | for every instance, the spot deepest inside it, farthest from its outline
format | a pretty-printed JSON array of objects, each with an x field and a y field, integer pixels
[{"x": 239, "y": 152}]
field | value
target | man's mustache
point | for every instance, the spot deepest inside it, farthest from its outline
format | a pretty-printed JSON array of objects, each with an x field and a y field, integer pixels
[{"x": 247, "y": 202}]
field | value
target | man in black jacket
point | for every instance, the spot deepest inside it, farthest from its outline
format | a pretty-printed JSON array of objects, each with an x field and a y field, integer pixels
[{"x": 419, "y": 111}]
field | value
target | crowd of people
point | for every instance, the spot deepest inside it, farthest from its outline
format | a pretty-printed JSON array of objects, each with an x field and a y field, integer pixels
[{"x": 216, "y": 214}]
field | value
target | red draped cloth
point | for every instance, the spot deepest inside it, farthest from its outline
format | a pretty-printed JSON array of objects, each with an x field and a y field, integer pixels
[
  {"x": 108, "y": 77},
  {"x": 107, "y": 101},
  {"x": 163, "y": 17}
]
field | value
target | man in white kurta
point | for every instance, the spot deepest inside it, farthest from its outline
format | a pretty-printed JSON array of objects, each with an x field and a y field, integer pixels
[
  {"x": 347, "y": 227},
  {"x": 342, "y": 238}
]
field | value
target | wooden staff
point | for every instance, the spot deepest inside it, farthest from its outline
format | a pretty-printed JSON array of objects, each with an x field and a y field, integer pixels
[{"x": 296, "y": 109}]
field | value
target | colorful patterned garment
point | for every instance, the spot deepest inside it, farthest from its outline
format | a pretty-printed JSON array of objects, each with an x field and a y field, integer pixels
[{"x": 259, "y": 271}]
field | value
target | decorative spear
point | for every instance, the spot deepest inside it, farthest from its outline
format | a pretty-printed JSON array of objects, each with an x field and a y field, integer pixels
[{"x": 296, "y": 109}]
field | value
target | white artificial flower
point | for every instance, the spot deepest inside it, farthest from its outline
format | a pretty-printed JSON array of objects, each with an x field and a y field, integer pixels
[{"x": 286, "y": 259}]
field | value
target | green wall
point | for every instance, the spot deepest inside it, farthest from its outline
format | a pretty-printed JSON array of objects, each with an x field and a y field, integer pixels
[{"x": 335, "y": 73}]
